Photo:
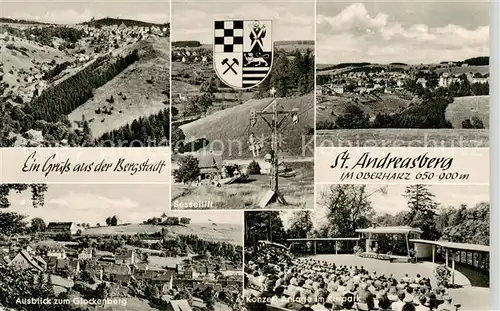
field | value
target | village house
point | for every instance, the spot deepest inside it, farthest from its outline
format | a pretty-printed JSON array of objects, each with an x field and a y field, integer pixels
[
  {"x": 86, "y": 254},
  {"x": 61, "y": 227},
  {"x": 423, "y": 82},
  {"x": 480, "y": 80},
  {"x": 446, "y": 79},
  {"x": 24, "y": 260},
  {"x": 186, "y": 272},
  {"x": 208, "y": 164},
  {"x": 56, "y": 252},
  {"x": 116, "y": 273},
  {"x": 178, "y": 305},
  {"x": 337, "y": 88},
  {"x": 125, "y": 256},
  {"x": 361, "y": 90},
  {"x": 72, "y": 264}
]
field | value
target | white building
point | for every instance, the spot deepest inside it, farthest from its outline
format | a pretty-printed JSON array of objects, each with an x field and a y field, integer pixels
[{"x": 58, "y": 253}]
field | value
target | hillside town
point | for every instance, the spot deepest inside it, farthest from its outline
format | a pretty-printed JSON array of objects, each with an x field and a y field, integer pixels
[
  {"x": 396, "y": 79},
  {"x": 83, "y": 45},
  {"x": 192, "y": 55},
  {"x": 93, "y": 83}
]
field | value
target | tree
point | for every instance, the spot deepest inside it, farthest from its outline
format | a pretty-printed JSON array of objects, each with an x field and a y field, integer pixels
[
  {"x": 253, "y": 168},
  {"x": 175, "y": 111},
  {"x": 102, "y": 291},
  {"x": 188, "y": 170},
  {"x": 263, "y": 226},
  {"x": 301, "y": 224},
  {"x": 209, "y": 86},
  {"x": 191, "y": 108},
  {"x": 87, "y": 138},
  {"x": 177, "y": 138},
  {"x": 114, "y": 221},
  {"x": 353, "y": 118},
  {"x": 12, "y": 223},
  {"x": 388, "y": 220},
  {"x": 204, "y": 102},
  {"x": 468, "y": 225},
  {"x": 38, "y": 225},
  {"x": 422, "y": 210},
  {"x": 477, "y": 123},
  {"x": 17, "y": 285},
  {"x": 348, "y": 209},
  {"x": 108, "y": 221},
  {"x": 467, "y": 124},
  {"x": 280, "y": 75},
  {"x": 37, "y": 193},
  {"x": 151, "y": 292}
]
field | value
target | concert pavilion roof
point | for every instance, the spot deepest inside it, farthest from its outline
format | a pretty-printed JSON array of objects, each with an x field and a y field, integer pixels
[
  {"x": 390, "y": 230},
  {"x": 456, "y": 246}
]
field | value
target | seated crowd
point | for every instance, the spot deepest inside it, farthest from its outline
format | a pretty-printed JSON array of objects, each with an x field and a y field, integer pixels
[{"x": 275, "y": 280}]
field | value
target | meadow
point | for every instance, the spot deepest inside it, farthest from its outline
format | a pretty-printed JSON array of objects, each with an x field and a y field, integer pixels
[
  {"x": 228, "y": 131},
  {"x": 468, "y": 107},
  {"x": 298, "y": 190},
  {"x": 138, "y": 91},
  {"x": 221, "y": 232}
]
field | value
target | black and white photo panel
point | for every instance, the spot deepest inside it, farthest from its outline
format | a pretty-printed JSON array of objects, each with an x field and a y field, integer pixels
[
  {"x": 243, "y": 104},
  {"x": 373, "y": 247},
  {"x": 402, "y": 73},
  {"x": 115, "y": 247},
  {"x": 85, "y": 74}
]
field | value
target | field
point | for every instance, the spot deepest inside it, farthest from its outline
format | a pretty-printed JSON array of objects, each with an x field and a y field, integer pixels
[
  {"x": 230, "y": 128},
  {"x": 322, "y": 69},
  {"x": 329, "y": 107},
  {"x": 230, "y": 233},
  {"x": 160, "y": 262},
  {"x": 292, "y": 46},
  {"x": 403, "y": 138},
  {"x": 182, "y": 73},
  {"x": 461, "y": 70},
  {"x": 20, "y": 57},
  {"x": 467, "y": 107},
  {"x": 133, "y": 95},
  {"x": 297, "y": 190}
]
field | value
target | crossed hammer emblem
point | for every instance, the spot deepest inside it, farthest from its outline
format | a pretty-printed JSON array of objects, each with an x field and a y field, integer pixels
[{"x": 225, "y": 61}]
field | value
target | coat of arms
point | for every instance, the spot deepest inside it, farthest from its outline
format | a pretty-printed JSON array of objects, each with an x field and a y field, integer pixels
[{"x": 243, "y": 52}]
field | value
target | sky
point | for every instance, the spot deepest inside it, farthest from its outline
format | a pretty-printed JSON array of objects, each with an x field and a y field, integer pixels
[
  {"x": 405, "y": 31},
  {"x": 394, "y": 202},
  {"x": 73, "y": 12},
  {"x": 132, "y": 203},
  {"x": 193, "y": 20}
]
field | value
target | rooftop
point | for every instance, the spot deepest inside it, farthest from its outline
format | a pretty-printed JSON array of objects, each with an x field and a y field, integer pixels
[
  {"x": 455, "y": 246},
  {"x": 389, "y": 230}
]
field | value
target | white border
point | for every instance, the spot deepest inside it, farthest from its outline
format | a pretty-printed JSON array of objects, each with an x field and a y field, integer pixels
[{"x": 494, "y": 155}]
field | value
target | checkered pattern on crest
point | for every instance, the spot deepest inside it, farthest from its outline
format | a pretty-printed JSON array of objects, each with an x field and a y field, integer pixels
[{"x": 228, "y": 36}]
